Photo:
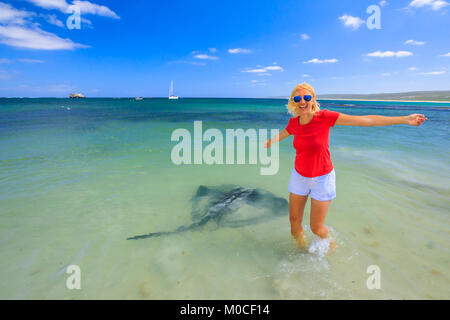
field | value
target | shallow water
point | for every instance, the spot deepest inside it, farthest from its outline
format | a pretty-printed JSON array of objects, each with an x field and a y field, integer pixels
[{"x": 79, "y": 177}]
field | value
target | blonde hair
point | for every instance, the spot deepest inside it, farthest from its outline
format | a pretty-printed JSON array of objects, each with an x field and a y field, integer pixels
[{"x": 291, "y": 104}]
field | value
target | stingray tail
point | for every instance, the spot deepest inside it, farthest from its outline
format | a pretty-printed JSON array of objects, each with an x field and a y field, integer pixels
[
  {"x": 150, "y": 235},
  {"x": 157, "y": 234}
]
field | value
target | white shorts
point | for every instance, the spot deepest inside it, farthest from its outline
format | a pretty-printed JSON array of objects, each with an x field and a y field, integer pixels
[{"x": 322, "y": 188}]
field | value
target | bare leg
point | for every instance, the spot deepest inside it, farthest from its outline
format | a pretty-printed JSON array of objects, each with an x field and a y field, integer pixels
[
  {"x": 319, "y": 211},
  {"x": 296, "y": 208}
]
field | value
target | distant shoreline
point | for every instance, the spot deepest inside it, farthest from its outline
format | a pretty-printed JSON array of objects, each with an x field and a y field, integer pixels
[{"x": 432, "y": 101}]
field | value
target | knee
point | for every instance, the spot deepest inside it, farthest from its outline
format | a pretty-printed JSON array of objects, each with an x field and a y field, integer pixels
[{"x": 320, "y": 231}]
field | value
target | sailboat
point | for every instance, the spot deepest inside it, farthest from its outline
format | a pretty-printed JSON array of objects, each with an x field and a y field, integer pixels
[{"x": 171, "y": 96}]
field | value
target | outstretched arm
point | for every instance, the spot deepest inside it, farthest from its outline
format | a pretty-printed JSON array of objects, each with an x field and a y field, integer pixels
[
  {"x": 282, "y": 135},
  {"x": 414, "y": 119}
]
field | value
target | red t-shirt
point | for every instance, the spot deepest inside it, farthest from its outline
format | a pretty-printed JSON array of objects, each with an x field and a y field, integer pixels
[{"x": 311, "y": 143}]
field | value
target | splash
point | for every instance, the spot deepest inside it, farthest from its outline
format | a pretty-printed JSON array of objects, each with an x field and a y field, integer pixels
[
  {"x": 310, "y": 273},
  {"x": 319, "y": 246}
]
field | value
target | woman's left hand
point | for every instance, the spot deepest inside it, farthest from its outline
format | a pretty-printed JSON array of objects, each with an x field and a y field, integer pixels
[{"x": 415, "y": 119}]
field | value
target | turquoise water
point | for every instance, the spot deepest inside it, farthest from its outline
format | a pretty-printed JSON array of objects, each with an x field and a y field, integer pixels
[{"x": 77, "y": 177}]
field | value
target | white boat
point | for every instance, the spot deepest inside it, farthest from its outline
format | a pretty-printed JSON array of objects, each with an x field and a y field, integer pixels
[
  {"x": 139, "y": 98},
  {"x": 171, "y": 96}
]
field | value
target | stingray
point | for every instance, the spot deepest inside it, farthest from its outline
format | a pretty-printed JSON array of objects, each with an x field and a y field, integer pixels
[{"x": 228, "y": 206}]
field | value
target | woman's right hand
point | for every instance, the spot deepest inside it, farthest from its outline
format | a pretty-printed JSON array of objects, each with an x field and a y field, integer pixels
[{"x": 268, "y": 143}]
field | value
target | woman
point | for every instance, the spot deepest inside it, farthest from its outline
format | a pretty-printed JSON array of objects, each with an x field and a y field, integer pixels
[{"x": 313, "y": 173}]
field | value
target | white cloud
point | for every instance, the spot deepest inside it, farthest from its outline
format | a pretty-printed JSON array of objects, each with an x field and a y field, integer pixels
[
  {"x": 305, "y": 75},
  {"x": 263, "y": 70},
  {"x": 62, "y": 88},
  {"x": 30, "y": 61},
  {"x": 21, "y": 60},
  {"x": 239, "y": 50},
  {"x": 383, "y": 3},
  {"x": 51, "y": 4},
  {"x": 188, "y": 62},
  {"x": 86, "y": 21},
  {"x": 386, "y": 74},
  {"x": 434, "y": 4},
  {"x": 415, "y": 43},
  {"x": 205, "y": 57},
  {"x": 304, "y": 36},
  {"x": 445, "y": 55},
  {"x": 389, "y": 54},
  {"x": 4, "y": 75},
  {"x": 10, "y": 15},
  {"x": 434, "y": 73},
  {"x": 258, "y": 83},
  {"x": 86, "y": 7},
  {"x": 17, "y": 29},
  {"x": 36, "y": 38},
  {"x": 351, "y": 22},
  {"x": 412, "y": 68},
  {"x": 92, "y": 8},
  {"x": 52, "y": 19},
  {"x": 315, "y": 60},
  {"x": 277, "y": 68},
  {"x": 255, "y": 70},
  {"x": 212, "y": 50}
]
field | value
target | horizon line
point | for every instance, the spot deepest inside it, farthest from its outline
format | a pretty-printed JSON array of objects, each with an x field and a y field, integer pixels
[
  {"x": 326, "y": 96},
  {"x": 260, "y": 98}
]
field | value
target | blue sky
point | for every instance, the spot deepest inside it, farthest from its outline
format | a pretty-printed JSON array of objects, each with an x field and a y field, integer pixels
[{"x": 221, "y": 48}]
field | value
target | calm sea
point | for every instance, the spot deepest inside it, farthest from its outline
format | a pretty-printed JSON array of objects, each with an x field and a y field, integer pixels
[{"x": 77, "y": 177}]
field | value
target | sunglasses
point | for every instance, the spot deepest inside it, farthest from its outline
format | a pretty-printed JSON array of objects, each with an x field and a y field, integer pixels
[{"x": 299, "y": 98}]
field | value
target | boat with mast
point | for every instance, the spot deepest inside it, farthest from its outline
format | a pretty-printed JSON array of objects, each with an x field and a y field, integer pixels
[{"x": 171, "y": 96}]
